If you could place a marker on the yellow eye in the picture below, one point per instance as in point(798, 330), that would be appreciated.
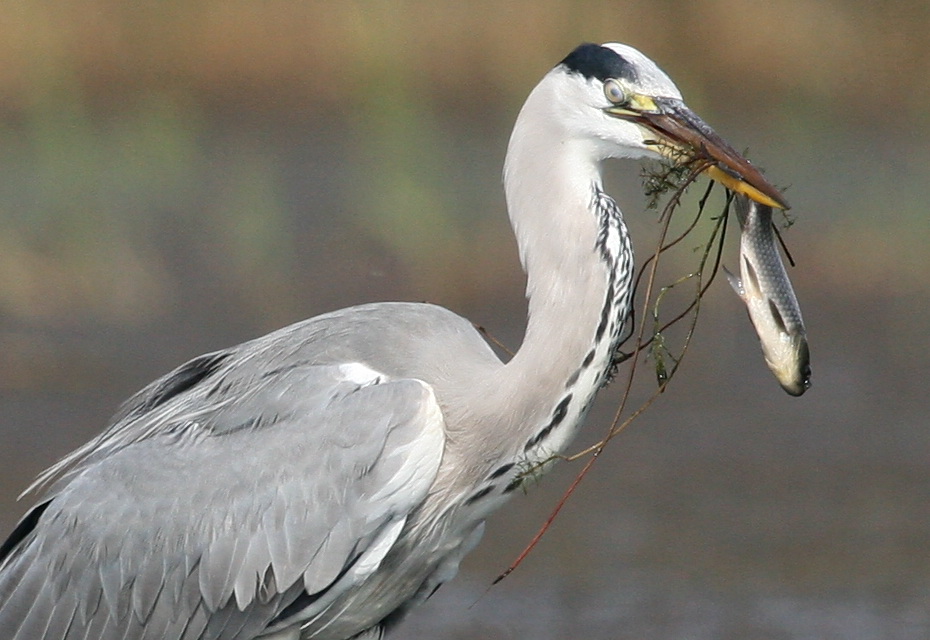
point(615, 92)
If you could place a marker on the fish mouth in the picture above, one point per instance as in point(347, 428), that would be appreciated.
point(682, 136)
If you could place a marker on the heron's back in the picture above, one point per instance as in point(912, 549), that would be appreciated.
point(255, 487)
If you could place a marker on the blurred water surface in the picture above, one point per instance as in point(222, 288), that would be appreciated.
point(137, 236)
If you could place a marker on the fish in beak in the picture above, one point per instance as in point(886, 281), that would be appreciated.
point(681, 135)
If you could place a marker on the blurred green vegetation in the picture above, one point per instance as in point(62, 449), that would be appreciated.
point(121, 133)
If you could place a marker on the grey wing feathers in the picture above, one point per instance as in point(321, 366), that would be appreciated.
point(228, 492)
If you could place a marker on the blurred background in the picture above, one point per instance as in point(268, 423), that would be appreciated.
point(176, 177)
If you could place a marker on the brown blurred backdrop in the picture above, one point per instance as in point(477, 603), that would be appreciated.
point(176, 177)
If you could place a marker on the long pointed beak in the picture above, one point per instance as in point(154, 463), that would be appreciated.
point(684, 135)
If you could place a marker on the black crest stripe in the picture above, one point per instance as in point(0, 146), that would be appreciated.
point(595, 61)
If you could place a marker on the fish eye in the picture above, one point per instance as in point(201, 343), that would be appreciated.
point(615, 92)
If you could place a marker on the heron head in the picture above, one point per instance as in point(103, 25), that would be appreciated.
point(638, 112)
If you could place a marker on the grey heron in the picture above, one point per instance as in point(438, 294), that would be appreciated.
point(322, 480)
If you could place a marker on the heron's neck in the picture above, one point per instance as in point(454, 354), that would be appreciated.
point(576, 253)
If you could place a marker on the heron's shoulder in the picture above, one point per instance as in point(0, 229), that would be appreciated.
point(397, 316)
point(391, 340)
point(397, 338)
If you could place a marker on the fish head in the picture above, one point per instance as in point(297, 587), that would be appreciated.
point(787, 356)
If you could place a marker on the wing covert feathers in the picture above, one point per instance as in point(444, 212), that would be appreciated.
point(208, 509)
